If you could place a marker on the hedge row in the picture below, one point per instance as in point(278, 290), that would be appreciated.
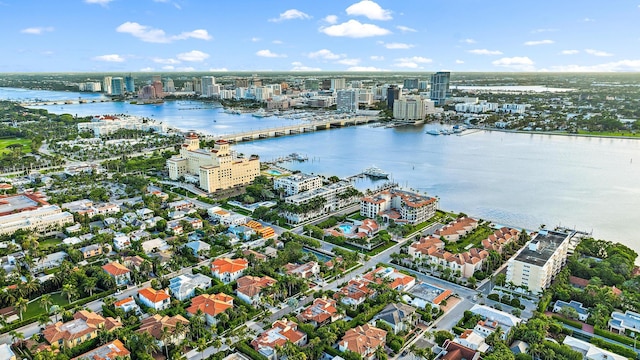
point(618, 349)
point(572, 323)
point(246, 349)
point(613, 336)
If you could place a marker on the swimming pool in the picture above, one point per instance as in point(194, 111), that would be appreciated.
point(273, 172)
point(346, 228)
point(321, 257)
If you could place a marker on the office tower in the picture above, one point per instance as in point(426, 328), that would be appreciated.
point(208, 83)
point(338, 84)
point(117, 86)
point(410, 84)
point(393, 93)
point(106, 85)
point(423, 85)
point(347, 101)
point(440, 87)
point(129, 84)
point(311, 85)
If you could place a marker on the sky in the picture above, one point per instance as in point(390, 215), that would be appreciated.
point(330, 35)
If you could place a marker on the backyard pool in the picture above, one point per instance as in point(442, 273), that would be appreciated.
point(321, 257)
point(346, 228)
point(274, 172)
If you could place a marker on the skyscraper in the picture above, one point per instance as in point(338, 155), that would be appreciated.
point(393, 93)
point(440, 87)
point(311, 84)
point(129, 85)
point(410, 84)
point(347, 101)
point(208, 86)
point(117, 86)
point(338, 84)
point(106, 85)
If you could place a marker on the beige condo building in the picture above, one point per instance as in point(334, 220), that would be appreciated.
point(216, 168)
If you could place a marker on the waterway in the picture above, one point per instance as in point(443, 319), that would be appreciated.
point(524, 180)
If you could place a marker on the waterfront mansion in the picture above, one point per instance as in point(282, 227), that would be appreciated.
point(216, 168)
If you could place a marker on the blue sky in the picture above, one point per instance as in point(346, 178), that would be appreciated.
point(332, 35)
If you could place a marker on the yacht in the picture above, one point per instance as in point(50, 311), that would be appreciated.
point(433, 132)
point(375, 172)
point(260, 113)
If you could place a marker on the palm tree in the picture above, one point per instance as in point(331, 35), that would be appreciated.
point(70, 291)
point(165, 336)
point(202, 345)
point(21, 305)
point(45, 302)
point(89, 285)
point(15, 336)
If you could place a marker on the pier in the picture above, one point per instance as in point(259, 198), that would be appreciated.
point(293, 129)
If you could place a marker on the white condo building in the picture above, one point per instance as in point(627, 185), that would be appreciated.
point(297, 183)
point(412, 108)
point(106, 85)
point(336, 196)
point(41, 219)
point(217, 168)
point(208, 86)
point(347, 101)
point(400, 206)
point(540, 261)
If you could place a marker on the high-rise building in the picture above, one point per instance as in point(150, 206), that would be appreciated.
point(311, 84)
point(347, 101)
point(106, 85)
point(242, 82)
point(440, 87)
point(169, 86)
point(338, 84)
point(117, 86)
point(393, 93)
point(326, 84)
point(208, 86)
point(157, 87)
point(197, 85)
point(423, 85)
point(147, 92)
point(410, 84)
point(412, 108)
point(129, 84)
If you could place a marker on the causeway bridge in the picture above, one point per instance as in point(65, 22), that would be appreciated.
point(293, 129)
point(63, 102)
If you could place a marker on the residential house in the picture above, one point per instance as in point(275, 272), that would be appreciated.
point(133, 262)
point(156, 299)
point(590, 351)
point(355, 292)
point(628, 322)
point(401, 317)
point(155, 325)
point(421, 249)
point(121, 242)
point(120, 274)
point(144, 213)
point(492, 319)
point(472, 340)
point(455, 230)
point(91, 251)
point(83, 327)
point(363, 340)
point(242, 232)
point(127, 304)
point(248, 254)
point(210, 305)
point(250, 288)
point(155, 245)
point(6, 353)
point(109, 351)
point(228, 270)
point(265, 232)
point(180, 205)
point(199, 248)
point(306, 271)
point(321, 311)
point(581, 311)
point(393, 278)
point(281, 332)
point(184, 286)
point(454, 351)
point(499, 238)
point(48, 261)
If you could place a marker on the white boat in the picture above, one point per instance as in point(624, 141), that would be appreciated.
point(433, 132)
point(375, 172)
point(260, 113)
point(298, 157)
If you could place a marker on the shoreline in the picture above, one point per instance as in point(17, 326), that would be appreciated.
point(557, 133)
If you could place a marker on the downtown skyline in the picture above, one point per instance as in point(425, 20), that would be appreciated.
point(177, 35)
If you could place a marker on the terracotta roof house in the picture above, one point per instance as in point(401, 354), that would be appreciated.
point(127, 304)
point(355, 292)
point(118, 272)
point(320, 312)
point(280, 333)
point(108, 351)
point(421, 248)
point(363, 340)
point(250, 288)
point(256, 255)
point(392, 277)
point(305, 271)
point(457, 229)
point(455, 351)
point(133, 262)
point(83, 327)
point(228, 270)
point(154, 325)
point(156, 299)
point(210, 305)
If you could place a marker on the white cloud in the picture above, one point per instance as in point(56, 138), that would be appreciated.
point(298, 66)
point(193, 56)
point(538, 42)
point(185, 69)
point(569, 52)
point(166, 61)
point(99, 2)
point(36, 30)
point(459, 61)
point(597, 52)
point(405, 28)
point(168, 67)
point(396, 46)
point(147, 69)
point(349, 62)
point(278, 42)
point(152, 35)
point(331, 19)
point(291, 14)
point(224, 69)
point(622, 65)
point(416, 59)
point(268, 53)
point(376, 57)
point(109, 58)
point(324, 54)
point(537, 31)
point(588, 19)
point(365, 68)
point(485, 52)
point(468, 41)
point(369, 9)
point(407, 65)
point(520, 63)
point(255, 39)
point(354, 29)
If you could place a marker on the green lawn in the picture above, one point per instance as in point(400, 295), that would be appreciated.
point(609, 133)
point(34, 309)
point(475, 238)
point(49, 243)
point(26, 144)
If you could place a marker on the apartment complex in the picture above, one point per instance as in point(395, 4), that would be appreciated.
point(412, 108)
point(540, 261)
point(217, 168)
point(336, 196)
point(41, 219)
point(401, 206)
point(295, 184)
point(440, 87)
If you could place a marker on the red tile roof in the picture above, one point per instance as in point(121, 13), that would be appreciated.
point(153, 295)
point(115, 269)
point(210, 304)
